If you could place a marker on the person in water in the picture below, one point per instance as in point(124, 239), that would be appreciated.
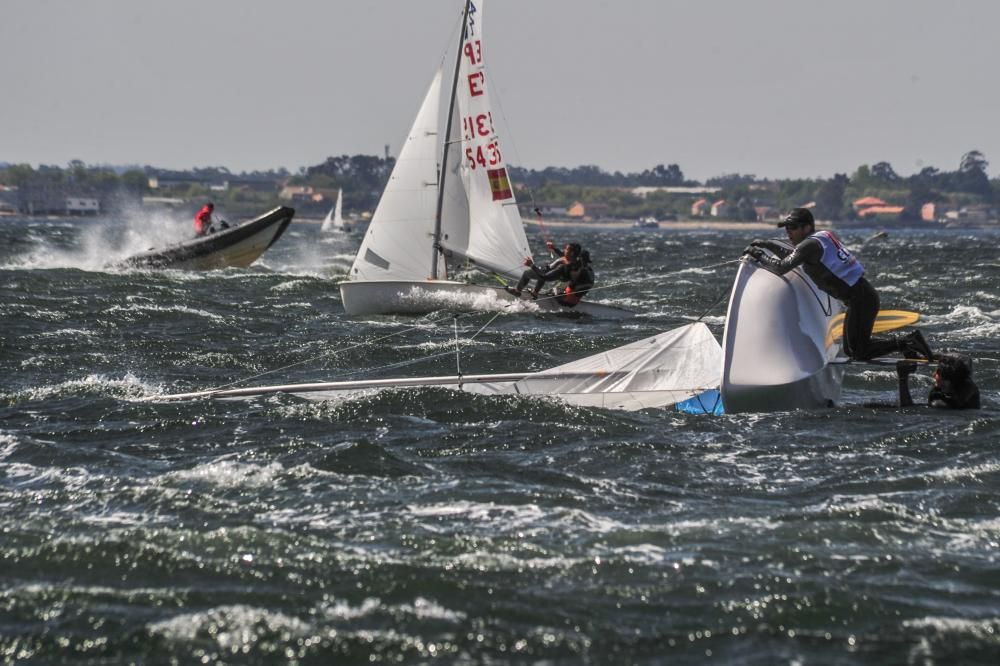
point(581, 280)
point(560, 268)
point(953, 385)
point(836, 271)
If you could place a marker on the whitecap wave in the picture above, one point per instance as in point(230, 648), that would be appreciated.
point(229, 474)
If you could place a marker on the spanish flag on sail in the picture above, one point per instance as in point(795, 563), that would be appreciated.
point(499, 184)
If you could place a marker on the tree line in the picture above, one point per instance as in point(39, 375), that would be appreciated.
point(363, 177)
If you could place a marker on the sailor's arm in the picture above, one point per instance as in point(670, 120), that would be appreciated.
point(774, 246)
point(808, 251)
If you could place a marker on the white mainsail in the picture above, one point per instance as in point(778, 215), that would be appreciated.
point(338, 217)
point(398, 244)
point(496, 239)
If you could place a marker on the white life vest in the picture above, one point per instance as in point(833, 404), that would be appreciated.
point(838, 259)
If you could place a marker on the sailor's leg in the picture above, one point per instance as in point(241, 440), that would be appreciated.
point(526, 277)
point(862, 310)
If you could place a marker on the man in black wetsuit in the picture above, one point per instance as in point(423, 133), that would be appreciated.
point(837, 272)
point(953, 385)
point(581, 279)
point(558, 269)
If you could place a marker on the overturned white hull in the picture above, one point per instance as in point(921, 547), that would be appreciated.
point(408, 297)
point(778, 346)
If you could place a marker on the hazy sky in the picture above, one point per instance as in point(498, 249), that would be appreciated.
point(776, 88)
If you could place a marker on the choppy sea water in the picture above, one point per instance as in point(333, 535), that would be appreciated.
point(419, 525)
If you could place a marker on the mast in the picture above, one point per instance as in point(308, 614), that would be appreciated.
point(436, 248)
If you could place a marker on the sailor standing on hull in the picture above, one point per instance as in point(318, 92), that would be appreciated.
point(838, 273)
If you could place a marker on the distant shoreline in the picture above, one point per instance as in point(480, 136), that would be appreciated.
point(680, 226)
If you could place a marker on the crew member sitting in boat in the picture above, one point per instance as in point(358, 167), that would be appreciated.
point(581, 279)
point(953, 385)
point(203, 221)
point(558, 269)
point(838, 273)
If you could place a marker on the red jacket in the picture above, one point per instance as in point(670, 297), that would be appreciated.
point(203, 220)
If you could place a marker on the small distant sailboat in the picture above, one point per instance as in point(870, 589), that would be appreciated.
point(334, 220)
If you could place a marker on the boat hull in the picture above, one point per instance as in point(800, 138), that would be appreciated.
point(385, 297)
point(779, 345)
point(237, 247)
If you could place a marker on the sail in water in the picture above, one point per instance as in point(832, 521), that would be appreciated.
point(655, 372)
point(659, 371)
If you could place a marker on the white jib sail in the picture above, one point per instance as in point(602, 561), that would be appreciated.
point(655, 372)
point(327, 222)
point(399, 242)
point(496, 238)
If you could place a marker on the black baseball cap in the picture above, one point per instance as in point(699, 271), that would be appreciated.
point(798, 217)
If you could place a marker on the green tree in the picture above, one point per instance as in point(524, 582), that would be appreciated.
point(830, 197)
point(972, 173)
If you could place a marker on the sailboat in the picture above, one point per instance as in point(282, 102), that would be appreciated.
point(334, 220)
point(449, 204)
point(782, 350)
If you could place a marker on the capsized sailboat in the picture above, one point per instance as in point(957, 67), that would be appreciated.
point(432, 221)
point(237, 246)
point(658, 371)
point(782, 347)
point(334, 220)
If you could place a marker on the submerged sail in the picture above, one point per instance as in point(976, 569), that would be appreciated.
point(655, 372)
point(495, 238)
point(398, 243)
point(663, 370)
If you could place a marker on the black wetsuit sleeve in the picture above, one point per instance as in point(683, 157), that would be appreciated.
point(774, 246)
point(808, 251)
point(552, 271)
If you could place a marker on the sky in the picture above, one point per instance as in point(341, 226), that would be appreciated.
point(774, 88)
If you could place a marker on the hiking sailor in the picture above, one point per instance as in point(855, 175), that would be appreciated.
point(558, 269)
point(836, 271)
point(581, 279)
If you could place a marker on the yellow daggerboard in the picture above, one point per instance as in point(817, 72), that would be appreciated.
point(886, 320)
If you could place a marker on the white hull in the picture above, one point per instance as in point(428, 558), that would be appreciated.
point(777, 345)
point(383, 297)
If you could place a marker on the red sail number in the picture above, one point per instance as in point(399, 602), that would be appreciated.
point(480, 158)
point(474, 51)
point(481, 125)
